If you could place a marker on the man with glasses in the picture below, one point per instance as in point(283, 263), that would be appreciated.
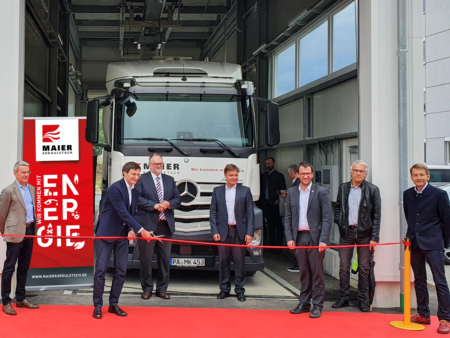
point(357, 214)
point(158, 198)
point(17, 217)
point(307, 222)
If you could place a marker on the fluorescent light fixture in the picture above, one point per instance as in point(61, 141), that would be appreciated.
point(260, 49)
point(294, 20)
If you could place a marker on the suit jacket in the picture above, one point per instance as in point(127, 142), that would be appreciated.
point(428, 217)
point(296, 182)
point(147, 216)
point(276, 182)
point(319, 214)
point(243, 211)
point(117, 212)
point(13, 213)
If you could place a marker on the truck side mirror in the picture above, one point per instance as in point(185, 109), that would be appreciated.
point(272, 124)
point(92, 121)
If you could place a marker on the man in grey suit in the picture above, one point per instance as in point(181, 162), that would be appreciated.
point(158, 198)
point(308, 222)
point(17, 217)
point(232, 222)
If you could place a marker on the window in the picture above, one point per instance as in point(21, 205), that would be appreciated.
point(314, 55)
point(344, 37)
point(285, 71)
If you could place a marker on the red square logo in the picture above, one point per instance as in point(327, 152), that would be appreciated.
point(50, 133)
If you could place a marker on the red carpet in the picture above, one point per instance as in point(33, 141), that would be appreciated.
point(76, 321)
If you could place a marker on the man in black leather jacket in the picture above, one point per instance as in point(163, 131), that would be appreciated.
point(357, 214)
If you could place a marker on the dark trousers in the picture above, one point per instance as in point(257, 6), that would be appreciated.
point(119, 248)
point(435, 259)
point(163, 250)
point(274, 224)
point(19, 253)
point(310, 263)
point(238, 255)
point(346, 255)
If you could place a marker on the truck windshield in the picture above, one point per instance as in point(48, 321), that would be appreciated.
point(227, 118)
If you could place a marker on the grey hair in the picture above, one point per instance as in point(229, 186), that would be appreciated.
point(18, 164)
point(293, 168)
point(362, 163)
point(153, 155)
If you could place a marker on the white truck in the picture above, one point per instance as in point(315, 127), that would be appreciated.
point(199, 116)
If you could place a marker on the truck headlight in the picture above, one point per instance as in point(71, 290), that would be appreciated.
point(257, 237)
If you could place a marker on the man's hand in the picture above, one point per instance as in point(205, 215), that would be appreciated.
point(372, 247)
point(216, 237)
point(145, 234)
point(283, 193)
point(291, 244)
point(165, 204)
point(131, 234)
point(159, 207)
point(324, 247)
point(248, 239)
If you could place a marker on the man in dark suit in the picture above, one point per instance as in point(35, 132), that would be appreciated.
point(307, 222)
point(116, 220)
point(272, 183)
point(232, 222)
point(158, 197)
point(427, 211)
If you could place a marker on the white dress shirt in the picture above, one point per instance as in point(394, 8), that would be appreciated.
point(130, 197)
point(293, 180)
point(230, 197)
point(303, 205)
point(160, 182)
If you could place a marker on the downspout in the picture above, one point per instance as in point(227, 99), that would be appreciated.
point(402, 126)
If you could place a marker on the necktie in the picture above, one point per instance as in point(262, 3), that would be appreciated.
point(160, 196)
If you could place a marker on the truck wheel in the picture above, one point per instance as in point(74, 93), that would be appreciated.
point(250, 273)
point(447, 257)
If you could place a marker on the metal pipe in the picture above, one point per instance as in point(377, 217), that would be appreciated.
point(402, 126)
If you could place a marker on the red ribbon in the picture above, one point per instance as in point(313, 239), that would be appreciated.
point(210, 243)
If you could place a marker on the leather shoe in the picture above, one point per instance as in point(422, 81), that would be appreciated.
point(316, 312)
point(27, 305)
point(162, 295)
point(443, 327)
point(241, 297)
point(97, 312)
point(146, 295)
point(223, 295)
point(418, 319)
point(117, 310)
point(363, 307)
point(301, 308)
point(340, 304)
point(9, 310)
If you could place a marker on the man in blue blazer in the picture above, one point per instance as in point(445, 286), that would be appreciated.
point(232, 222)
point(116, 220)
point(427, 211)
point(158, 198)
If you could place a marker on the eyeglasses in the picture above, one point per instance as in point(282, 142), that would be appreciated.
point(358, 171)
point(157, 164)
point(305, 174)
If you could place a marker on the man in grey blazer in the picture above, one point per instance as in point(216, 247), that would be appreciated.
point(17, 217)
point(308, 222)
point(232, 222)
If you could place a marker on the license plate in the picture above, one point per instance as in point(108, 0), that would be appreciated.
point(187, 262)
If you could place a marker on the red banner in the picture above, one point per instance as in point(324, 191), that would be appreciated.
point(61, 165)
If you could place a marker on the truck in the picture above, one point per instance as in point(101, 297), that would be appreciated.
point(199, 116)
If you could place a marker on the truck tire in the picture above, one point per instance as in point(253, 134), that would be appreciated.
point(250, 273)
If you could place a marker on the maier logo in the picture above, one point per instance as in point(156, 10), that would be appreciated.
point(50, 133)
point(57, 140)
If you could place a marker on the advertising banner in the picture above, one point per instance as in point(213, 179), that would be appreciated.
point(61, 165)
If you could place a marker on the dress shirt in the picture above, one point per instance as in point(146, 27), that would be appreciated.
point(160, 182)
point(293, 180)
point(230, 197)
point(266, 192)
point(26, 194)
point(130, 196)
point(354, 198)
point(426, 185)
point(303, 206)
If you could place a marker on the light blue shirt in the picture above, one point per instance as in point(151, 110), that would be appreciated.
point(354, 198)
point(26, 194)
point(303, 205)
point(415, 188)
point(230, 197)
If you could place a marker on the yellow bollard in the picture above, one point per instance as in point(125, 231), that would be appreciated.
point(406, 324)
